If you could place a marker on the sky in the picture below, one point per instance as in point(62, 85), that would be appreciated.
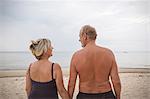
point(121, 25)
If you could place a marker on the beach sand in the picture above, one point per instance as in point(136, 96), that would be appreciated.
point(135, 83)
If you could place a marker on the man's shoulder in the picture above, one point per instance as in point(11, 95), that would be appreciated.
point(105, 49)
point(78, 52)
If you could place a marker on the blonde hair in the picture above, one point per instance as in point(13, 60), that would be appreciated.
point(39, 47)
point(89, 31)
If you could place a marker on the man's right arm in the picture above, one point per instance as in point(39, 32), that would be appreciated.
point(72, 78)
point(115, 79)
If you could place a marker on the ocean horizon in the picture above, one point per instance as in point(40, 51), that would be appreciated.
point(12, 60)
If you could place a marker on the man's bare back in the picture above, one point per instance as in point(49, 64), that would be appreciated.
point(95, 66)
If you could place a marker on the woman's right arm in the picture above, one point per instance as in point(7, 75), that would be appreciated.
point(28, 83)
point(59, 82)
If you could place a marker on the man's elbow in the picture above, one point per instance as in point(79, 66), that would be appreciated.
point(117, 84)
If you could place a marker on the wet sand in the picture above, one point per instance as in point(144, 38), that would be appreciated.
point(135, 83)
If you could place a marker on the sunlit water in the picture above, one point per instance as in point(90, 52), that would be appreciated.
point(21, 60)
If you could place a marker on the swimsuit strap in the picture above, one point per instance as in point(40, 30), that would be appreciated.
point(52, 70)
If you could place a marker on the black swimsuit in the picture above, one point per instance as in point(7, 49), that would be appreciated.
point(43, 90)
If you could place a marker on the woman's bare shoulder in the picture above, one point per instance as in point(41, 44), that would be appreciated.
point(57, 67)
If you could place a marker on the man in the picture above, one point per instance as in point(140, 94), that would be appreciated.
point(96, 67)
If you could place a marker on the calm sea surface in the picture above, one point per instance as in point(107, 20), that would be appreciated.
point(21, 60)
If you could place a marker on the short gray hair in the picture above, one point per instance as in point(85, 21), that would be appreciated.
point(90, 31)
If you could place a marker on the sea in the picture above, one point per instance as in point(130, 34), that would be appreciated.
point(21, 60)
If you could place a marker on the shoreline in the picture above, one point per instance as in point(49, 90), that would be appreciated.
point(22, 72)
point(135, 83)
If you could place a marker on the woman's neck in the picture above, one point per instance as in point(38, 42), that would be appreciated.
point(44, 58)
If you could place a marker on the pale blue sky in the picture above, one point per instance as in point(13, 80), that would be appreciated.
point(122, 25)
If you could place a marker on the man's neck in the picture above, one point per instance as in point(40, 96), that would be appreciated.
point(90, 43)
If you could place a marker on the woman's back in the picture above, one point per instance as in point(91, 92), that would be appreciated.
point(43, 81)
point(43, 78)
point(41, 71)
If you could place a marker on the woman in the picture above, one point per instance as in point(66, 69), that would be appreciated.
point(44, 77)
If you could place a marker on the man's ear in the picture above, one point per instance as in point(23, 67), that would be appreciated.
point(85, 36)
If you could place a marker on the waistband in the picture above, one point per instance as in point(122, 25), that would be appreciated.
point(95, 93)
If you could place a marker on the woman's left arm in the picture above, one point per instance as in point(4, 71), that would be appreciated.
point(59, 82)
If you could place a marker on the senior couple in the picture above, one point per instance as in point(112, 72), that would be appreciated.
point(95, 66)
